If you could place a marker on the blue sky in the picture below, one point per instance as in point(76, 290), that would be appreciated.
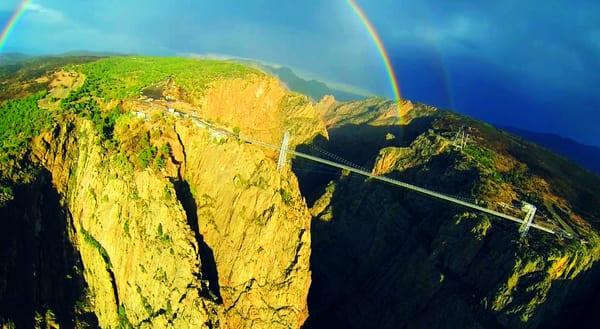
point(532, 65)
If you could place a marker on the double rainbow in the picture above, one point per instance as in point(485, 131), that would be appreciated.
point(22, 8)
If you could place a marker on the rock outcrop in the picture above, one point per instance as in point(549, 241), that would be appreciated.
point(388, 258)
point(142, 205)
point(213, 236)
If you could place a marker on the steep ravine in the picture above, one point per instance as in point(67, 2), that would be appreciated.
point(217, 239)
point(384, 257)
point(161, 221)
point(206, 233)
point(41, 278)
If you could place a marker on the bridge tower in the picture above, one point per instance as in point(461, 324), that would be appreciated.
point(283, 151)
point(529, 210)
point(460, 139)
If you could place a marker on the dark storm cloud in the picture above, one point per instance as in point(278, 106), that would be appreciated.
point(528, 64)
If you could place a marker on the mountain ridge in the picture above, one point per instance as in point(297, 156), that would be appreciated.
point(585, 155)
point(165, 221)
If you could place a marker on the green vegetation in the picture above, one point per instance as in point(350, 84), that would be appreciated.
point(167, 192)
point(160, 160)
point(147, 151)
point(126, 227)
point(286, 196)
point(517, 176)
point(6, 195)
point(83, 102)
point(113, 78)
point(146, 155)
point(169, 309)
point(118, 78)
point(482, 155)
point(87, 237)
point(19, 77)
point(485, 159)
point(20, 121)
point(123, 319)
point(566, 179)
point(161, 235)
point(149, 154)
point(123, 77)
point(147, 305)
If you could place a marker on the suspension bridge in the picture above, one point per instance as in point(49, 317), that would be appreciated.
point(525, 223)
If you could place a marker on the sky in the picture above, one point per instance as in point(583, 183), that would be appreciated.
point(527, 64)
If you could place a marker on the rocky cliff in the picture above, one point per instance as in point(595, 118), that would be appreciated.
point(388, 258)
point(129, 200)
point(170, 224)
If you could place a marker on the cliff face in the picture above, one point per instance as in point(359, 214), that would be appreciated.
point(140, 206)
point(387, 258)
point(40, 268)
point(213, 236)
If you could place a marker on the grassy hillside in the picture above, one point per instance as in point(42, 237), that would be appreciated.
point(20, 120)
point(24, 76)
point(123, 77)
point(146, 195)
point(160, 223)
point(27, 81)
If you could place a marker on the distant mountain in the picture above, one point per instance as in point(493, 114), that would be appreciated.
point(83, 53)
point(585, 155)
point(314, 88)
point(12, 58)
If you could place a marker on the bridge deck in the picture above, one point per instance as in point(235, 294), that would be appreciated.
point(395, 182)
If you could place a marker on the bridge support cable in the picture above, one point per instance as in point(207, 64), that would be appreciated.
point(336, 157)
point(420, 190)
point(528, 221)
point(404, 185)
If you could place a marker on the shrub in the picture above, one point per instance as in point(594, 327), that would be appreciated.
point(161, 235)
point(87, 237)
point(126, 227)
point(83, 102)
point(6, 195)
point(160, 160)
point(146, 155)
point(20, 121)
point(123, 319)
point(286, 196)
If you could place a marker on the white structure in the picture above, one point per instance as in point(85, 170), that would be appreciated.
point(460, 139)
point(283, 151)
point(529, 210)
point(217, 136)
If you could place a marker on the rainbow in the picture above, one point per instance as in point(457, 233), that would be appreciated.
point(380, 47)
point(22, 8)
point(12, 21)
